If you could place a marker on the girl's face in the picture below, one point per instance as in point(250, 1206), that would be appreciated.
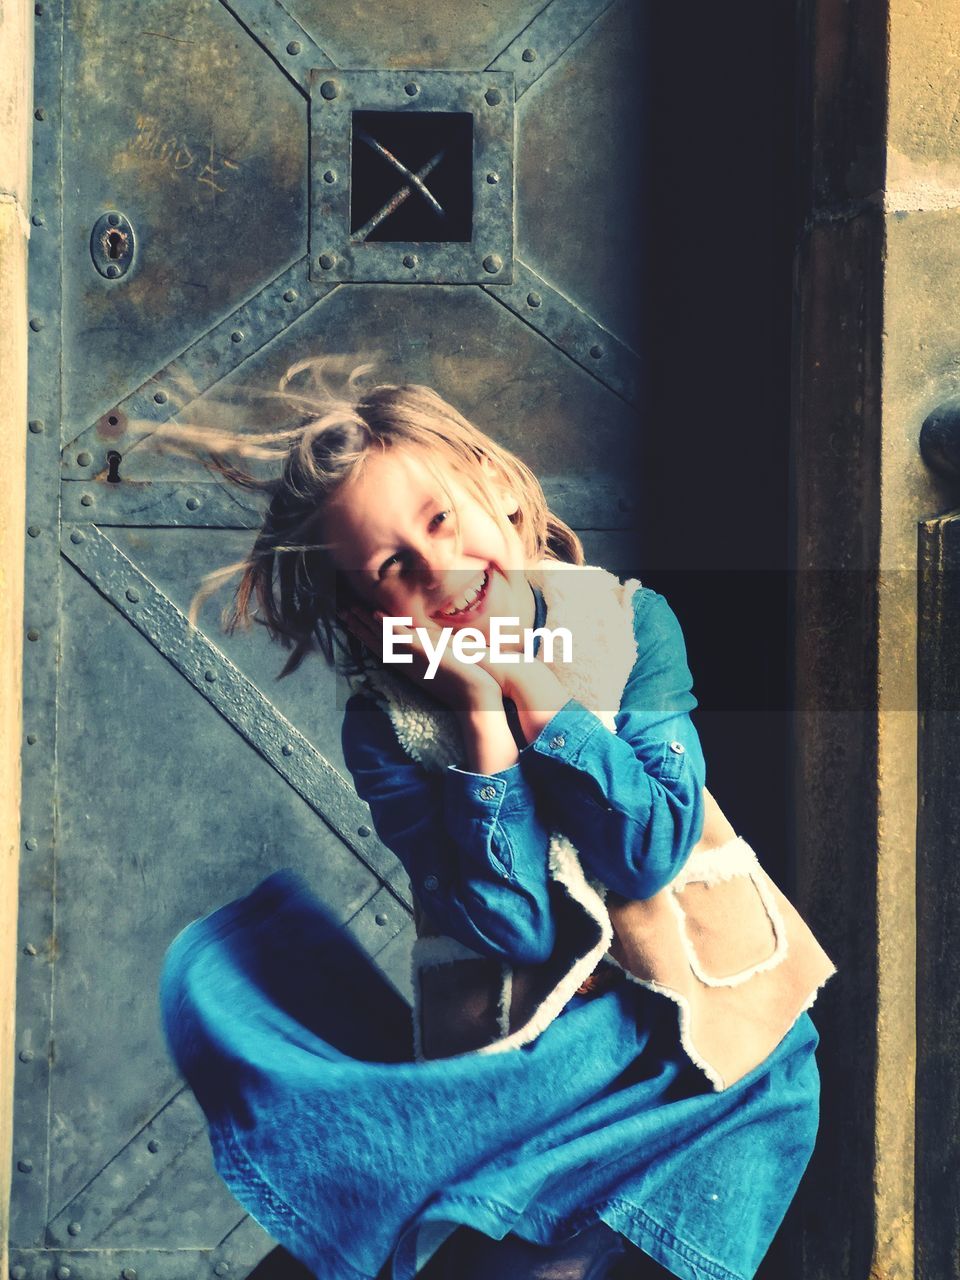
point(392, 531)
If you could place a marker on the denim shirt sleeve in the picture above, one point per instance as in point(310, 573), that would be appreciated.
point(472, 844)
point(631, 802)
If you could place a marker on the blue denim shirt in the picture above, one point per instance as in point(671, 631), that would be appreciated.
point(351, 1154)
point(475, 845)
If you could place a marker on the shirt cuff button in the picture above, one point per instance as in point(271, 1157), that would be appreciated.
point(430, 883)
point(678, 747)
point(487, 793)
point(557, 742)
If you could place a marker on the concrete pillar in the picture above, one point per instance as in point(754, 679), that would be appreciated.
point(16, 46)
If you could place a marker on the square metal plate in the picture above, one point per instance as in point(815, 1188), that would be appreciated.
point(338, 253)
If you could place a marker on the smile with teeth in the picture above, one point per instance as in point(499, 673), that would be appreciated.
point(469, 602)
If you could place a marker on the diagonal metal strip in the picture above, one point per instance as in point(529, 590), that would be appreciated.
point(571, 329)
point(220, 350)
point(149, 1155)
point(245, 1246)
point(281, 36)
point(236, 698)
point(546, 39)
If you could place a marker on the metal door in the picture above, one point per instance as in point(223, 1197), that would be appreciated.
point(212, 201)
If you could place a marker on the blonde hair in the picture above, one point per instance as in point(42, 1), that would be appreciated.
point(288, 581)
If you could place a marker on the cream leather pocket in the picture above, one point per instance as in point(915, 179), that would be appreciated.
point(729, 922)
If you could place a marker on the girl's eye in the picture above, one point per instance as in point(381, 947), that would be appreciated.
point(441, 516)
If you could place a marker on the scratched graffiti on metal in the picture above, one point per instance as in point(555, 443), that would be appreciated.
point(158, 144)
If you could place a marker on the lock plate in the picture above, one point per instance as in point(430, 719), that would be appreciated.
point(112, 245)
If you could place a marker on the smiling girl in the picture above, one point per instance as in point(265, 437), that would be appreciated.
point(612, 1069)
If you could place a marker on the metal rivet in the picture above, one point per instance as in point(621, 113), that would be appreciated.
point(160, 397)
point(236, 336)
point(430, 883)
point(113, 219)
point(677, 747)
point(18, 1273)
point(294, 47)
point(86, 499)
point(529, 55)
point(31, 844)
point(25, 1166)
point(36, 324)
point(330, 175)
point(410, 260)
point(192, 504)
point(128, 1273)
point(534, 299)
point(492, 263)
point(493, 178)
point(33, 634)
point(153, 1146)
point(221, 1269)
point(29, 949)
point(36, 426)
point(328, 260)
point(291, 295)
point(132, 594)
point(287, 749)
point(411, 89)
point(38, 220)
point(64, 1273)
point(74, 1228)
point(83, 459)
point(26, 1055)
point(364, 830)
point(40, 114)
point(493, 97)
point(488, 793)
point(34, 530)
point(113, 271)
point(76, 536)
point(596, 351)
point(329, 90)
point(557, 742)
point(31, 742)
point(210, 677)
point(381, 918)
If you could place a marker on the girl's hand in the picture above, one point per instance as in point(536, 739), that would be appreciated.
point(463, 686)
point(535, 689)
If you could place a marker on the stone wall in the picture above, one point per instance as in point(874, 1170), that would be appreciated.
point(16, 45)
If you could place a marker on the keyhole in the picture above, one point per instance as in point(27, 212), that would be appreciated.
point(113, 464)
point(116, 244)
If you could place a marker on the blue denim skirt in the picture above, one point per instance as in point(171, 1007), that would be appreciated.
point(360, 1160)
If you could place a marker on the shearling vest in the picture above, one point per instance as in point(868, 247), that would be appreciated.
point(720, 940)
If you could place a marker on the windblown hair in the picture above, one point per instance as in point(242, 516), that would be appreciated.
point(288, 582)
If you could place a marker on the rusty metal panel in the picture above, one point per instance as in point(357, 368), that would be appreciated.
point(581, 230)
point(373, 34)
point(191, 131)
point(165, 770)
